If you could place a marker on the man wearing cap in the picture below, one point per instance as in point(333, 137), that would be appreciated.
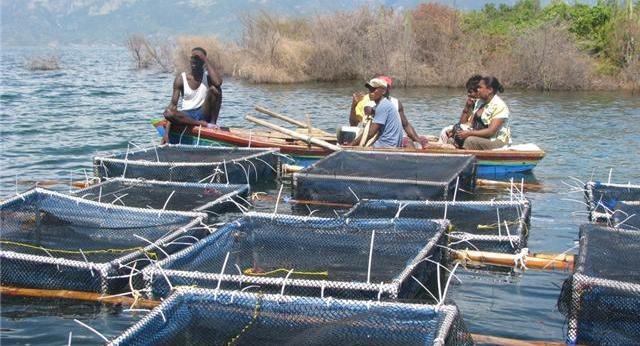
point(386, 121)
point(362, 105)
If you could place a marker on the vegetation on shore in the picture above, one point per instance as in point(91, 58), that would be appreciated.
point(526, 45)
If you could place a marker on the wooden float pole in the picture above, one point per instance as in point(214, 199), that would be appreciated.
point(78, 183)
point(291, 121)
point(150, 304)
point(308, 139)
point(486, 183)
point(78, 295)
point(539, 262)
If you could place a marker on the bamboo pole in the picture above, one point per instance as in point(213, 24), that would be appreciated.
point(78, 295)
point(291, 120)
point(79, 183)
point(543, 262)
point(308, 139)
point(496, 183)
point(494, 340)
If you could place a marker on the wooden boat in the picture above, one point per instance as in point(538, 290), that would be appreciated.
point(491, 162)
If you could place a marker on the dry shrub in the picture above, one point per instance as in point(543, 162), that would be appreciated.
point(146, 54)
point(136, 44)
point(546, 58)
point(43, 63)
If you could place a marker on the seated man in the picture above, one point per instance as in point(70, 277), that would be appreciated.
point(386, 124)
point(362, 105)
point(201, 94)
point(471, 109)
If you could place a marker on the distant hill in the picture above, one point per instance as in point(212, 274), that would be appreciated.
point(61, 22)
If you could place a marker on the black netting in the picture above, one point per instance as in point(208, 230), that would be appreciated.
point(191, 164)
point(602, 198)
point(213, 198)
point(311, 256)
point(347, 176)
point(475, 225)
point(50, 240)
point(626, 214)
point(602, 297)
point(210, 317)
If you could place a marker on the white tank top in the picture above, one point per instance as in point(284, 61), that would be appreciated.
point(193, 99)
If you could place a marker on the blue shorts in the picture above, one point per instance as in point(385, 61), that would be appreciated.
point(195, 114)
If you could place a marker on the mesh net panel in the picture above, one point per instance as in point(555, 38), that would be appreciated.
point(329, 257)
point(342, 176)
point(191, 164)
point(50, 240)
point(215, 198)
point(627, 215)
point(207, 317)
point(602, 297)
point(602, 198)
point(475, 225)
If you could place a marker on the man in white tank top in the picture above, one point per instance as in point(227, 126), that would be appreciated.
point(201, 93)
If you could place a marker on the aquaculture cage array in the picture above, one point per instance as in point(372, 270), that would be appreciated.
point(348, 176)
point(602, 297)
point(188, 163)
point(497, 226)
point(166, 195)
point(217, 317)
point(603, 201)
point(310, 256)
point(50, 240)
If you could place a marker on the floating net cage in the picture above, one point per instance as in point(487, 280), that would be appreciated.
point(602, 297)
point(348, 176)
point(218, 317)
point(211, 198)
point(497, 226)
point(627, 215)
point(189, 163)
point(602, 199)
point(310, 256)
point(50, 240)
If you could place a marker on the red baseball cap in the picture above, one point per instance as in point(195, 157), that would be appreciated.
point(387, 79)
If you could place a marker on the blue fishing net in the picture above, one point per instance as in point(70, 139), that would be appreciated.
point(602, 198)
point(602, 298)
point(360, 259)
point(348, 176)
point(188, 163)
point(211, 198)
point(217, 317)
point(54, 241)
point(497, 226)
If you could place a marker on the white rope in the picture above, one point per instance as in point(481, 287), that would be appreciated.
point(373, 236)
point(520, 259)
point(284, 282)
point(93, 330)
point(224, 266)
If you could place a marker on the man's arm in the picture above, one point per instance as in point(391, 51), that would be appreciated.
point(173, 107)
point(406, 125)
point(355, 99)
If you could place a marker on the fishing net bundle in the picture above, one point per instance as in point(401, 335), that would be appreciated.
point(348, 176)
point(602, 298)
point(218, 317)
point(603, 199)
point(212, 198)
point(310, 256)
point(496, 226)
point(50, 240)
point(188, 163)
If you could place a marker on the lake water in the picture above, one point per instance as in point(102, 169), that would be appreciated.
point(53, 122)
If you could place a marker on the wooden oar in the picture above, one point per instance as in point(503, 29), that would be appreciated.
point(290, 120)
point(543, 262)
point(306, 138)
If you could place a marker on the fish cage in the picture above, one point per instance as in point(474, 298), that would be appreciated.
point(497, 226)
point(310, 256)
point(187, 163)
point(602, 198)
point(166, 195)
point(193, 316)
point(626, 214)
point(50, 240)
point(602, 297)
point(348, 176)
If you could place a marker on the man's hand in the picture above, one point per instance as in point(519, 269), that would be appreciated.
point(356, 97)
point(464, 134)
